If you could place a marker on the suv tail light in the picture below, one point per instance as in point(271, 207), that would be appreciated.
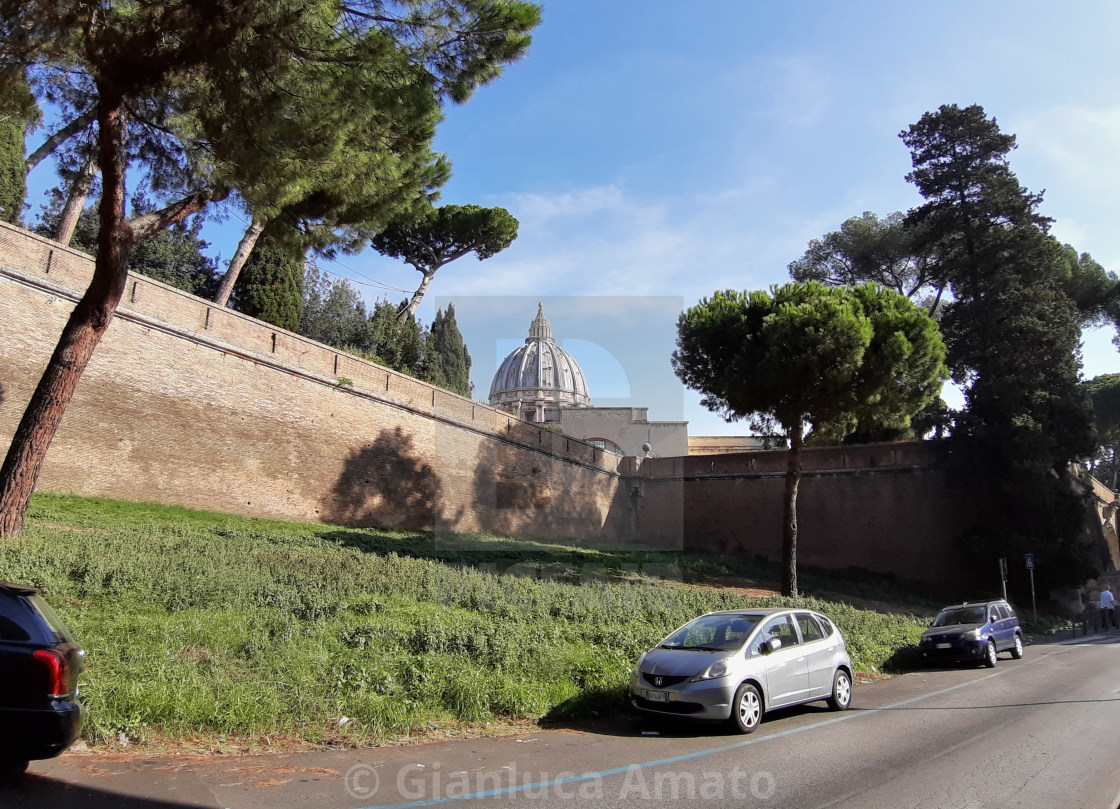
point(58, 675)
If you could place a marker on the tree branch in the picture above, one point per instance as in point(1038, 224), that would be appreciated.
point(145, 226)
point(58, 138)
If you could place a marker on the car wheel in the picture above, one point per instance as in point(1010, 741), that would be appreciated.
point(746, 710)
point(990, 655)
point(841, 698)
point(1017, 649)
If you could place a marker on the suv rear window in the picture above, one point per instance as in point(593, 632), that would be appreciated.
point(51, 619)
point(14, 617)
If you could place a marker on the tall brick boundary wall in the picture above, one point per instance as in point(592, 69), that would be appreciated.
point(191, 404)
point(885, 508)
point(888, 508)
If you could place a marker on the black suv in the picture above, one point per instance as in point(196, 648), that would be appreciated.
point(973, 632)
point(39, 666)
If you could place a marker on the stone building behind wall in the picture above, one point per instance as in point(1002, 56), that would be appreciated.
point(541, 382)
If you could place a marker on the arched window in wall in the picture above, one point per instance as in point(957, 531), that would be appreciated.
point(604, 443)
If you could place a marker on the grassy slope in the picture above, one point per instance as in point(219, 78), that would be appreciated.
point(199, 623)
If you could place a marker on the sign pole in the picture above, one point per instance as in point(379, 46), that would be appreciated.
point(1003, 575)
point(1030, 567)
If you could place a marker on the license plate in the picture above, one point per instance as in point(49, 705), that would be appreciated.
point(657, 696)
point(944, 646)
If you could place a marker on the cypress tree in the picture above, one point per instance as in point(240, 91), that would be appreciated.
point(271, 286)
point(447, 362)
point(13, 185)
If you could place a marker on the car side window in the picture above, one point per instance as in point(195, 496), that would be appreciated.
point(781, 628)
point(810, 629)
point(1004, 611)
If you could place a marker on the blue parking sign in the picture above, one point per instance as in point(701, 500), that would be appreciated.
point(1030, 561)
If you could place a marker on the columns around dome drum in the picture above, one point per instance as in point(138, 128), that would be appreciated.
point(538, 375)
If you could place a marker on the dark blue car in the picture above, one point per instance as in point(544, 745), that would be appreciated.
point(973, 632)
point(39, 666)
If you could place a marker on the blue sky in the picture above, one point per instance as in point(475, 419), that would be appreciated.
point(655, 152)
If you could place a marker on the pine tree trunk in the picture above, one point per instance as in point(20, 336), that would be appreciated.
point(789, 524)
point(240, 256)
point(76, 201)
point(58, 138)
point(88, 322)
point(410, 310)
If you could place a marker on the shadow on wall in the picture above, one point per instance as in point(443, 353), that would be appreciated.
point(535, 494)
point(386, 484)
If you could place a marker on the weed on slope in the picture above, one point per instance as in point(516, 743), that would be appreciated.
point(204, 623)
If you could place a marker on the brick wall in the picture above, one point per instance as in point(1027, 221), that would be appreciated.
point(196, 405)
point(189, 404)
point(885, 508)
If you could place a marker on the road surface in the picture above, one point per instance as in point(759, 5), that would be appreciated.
point(1040, 732)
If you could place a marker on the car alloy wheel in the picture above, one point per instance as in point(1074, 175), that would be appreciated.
point(841, 698)
point(1017, 650)
point(746, 712)
point(990, 655)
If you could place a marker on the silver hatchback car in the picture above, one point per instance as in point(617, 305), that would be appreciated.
point(737, 664)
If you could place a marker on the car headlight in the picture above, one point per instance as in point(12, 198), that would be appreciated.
point(973, 635)
point(638, 665)
point(712, 672)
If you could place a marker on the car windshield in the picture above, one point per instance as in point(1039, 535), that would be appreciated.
point(960, 615)
point(713, 633)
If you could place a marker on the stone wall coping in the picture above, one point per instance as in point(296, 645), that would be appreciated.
point(219, 341)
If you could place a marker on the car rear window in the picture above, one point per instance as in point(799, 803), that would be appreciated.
point(14, 617)
point(50, 617)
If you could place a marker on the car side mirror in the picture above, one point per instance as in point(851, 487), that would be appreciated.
point(993, 618)
point(772, 645)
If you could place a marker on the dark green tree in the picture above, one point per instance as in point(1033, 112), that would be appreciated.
point(1104, 392)
point(438, 236)
point(870, 250)
point(397, 345)
point(1094, 290)
point(447, 362)
point(1013, 337)
point(17, 113)
point(13, 186)
point(175, 256)
point(195, 94)
point(809, 354)
point(334, 313)
point(271, 286)
point(1012, 330)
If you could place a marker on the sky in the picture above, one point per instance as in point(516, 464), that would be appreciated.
point(656, 152)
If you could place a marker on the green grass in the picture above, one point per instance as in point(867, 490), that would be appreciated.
point(200, 623)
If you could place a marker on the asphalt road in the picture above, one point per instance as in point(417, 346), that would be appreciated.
point(1040, 732)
